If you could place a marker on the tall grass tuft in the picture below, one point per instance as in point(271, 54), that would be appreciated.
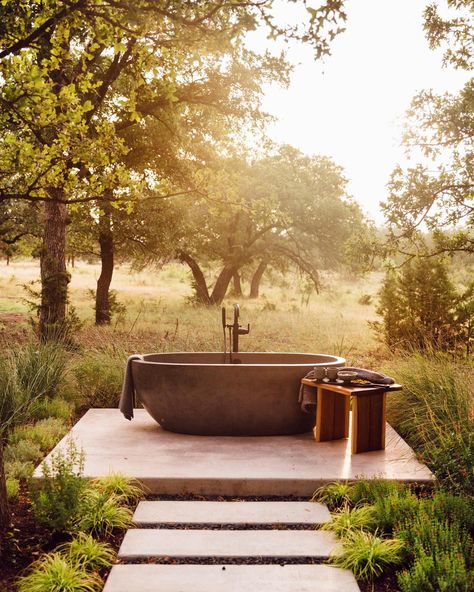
point(434, 412)
point(28, 374)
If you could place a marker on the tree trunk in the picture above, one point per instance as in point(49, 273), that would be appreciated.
point(4, 509)
point(103, 315)
point(222, 283)
point(54, 277)
point(200, 286)
point(257, 278)
point(237, 290)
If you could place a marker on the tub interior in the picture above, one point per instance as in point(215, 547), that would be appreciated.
point(246, 358)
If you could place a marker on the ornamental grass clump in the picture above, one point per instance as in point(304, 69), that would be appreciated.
point(126, 489)
point(85, 551)
point(346, 520)
point(103, 513)
point(333, 495)
point(368, 554)
point(54, 573)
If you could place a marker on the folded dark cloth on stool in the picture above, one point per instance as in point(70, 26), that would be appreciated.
point(127, 398)
point(307, 394)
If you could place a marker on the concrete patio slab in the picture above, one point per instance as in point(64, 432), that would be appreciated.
point(146, 543)
point(169, 463)
point(179, 512)
point(231, 578)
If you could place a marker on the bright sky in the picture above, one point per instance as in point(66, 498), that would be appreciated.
point(351, 107)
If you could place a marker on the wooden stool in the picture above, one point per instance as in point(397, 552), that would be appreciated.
point(368, 413)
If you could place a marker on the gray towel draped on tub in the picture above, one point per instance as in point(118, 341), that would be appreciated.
point(127, 398)
point(307, 396)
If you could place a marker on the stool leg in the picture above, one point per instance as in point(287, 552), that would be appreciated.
point(368, 421)
point(332, 416)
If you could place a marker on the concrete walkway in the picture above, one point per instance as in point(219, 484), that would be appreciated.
point(175, 556)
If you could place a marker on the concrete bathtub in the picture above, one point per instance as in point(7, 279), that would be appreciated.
point(197, 393)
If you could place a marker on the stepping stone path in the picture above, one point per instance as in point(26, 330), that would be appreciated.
point(207, 546)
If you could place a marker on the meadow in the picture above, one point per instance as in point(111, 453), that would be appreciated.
point(158, 313)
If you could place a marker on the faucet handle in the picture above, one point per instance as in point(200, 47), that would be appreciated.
point(243, 330)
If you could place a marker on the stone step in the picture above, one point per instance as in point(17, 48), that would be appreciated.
point(149, 543)
point(234, 578)
point(181, 512)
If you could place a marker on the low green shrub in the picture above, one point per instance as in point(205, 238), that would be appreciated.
point(99, 379)
point(346, 519)
point(442, 556)
point(13, 488)
point(84, 550)
point(54, 573)
point(19, 469)
point(57, 501)
point(367, 554)
point(57, 407)
point(126, 489)
point(102, 513)
point(333, 495)
point(395, 507)
point(368, 491)
point(45, 433)
point(23, 451)
point(452, 459)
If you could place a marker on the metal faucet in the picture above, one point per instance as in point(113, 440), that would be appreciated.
point(234, 330)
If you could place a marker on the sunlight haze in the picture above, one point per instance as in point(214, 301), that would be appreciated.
point(351, 106)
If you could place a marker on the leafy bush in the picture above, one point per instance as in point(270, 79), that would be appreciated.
point(443, 554)
point(433, 412)
point(102, 513)
point(99, 379)
point(57, 407)
point(23, 451)
point(53, 573)
point(395, 507)
point(19, 469)
point(126, 489)
point(84, 550)
point(57, 501)
point(13, 488)
point(421, 308)
point(367, 554)
point(45, 433)
point(368, 491)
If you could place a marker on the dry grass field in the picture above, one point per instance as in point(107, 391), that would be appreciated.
point(160, 316)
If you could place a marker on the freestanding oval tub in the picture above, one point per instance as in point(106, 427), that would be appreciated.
point(256, 395)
